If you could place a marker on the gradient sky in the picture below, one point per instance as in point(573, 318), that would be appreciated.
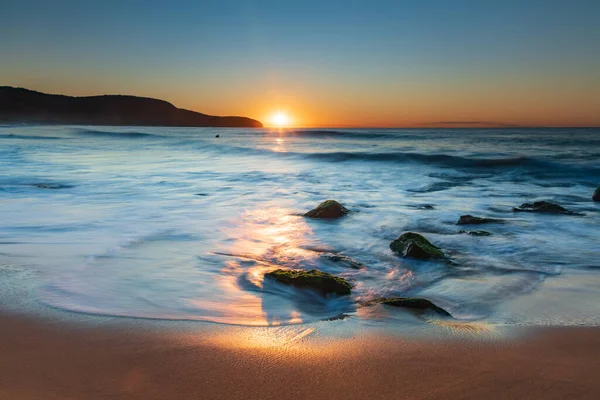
point(326, 63)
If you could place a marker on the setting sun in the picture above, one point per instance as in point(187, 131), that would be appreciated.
point(280, 119)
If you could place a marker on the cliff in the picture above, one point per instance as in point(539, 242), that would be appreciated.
point(18, 105)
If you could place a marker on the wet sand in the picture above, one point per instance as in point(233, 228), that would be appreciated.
point(55, 360)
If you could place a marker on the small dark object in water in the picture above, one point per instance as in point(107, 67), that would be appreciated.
point(328, 209)
point(544, 207)
point(420, 305)
point(471, 220)
point(413, 245)
point(313, 279)
point(426, 207)
point(217, 136)
point(596, 196)
point(476, 233)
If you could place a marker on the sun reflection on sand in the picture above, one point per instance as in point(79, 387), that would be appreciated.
point(465, 326)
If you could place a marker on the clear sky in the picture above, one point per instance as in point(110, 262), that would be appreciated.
point(324, 63)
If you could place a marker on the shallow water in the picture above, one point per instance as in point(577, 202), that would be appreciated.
point(173, 223)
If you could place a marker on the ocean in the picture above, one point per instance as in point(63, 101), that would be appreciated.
point(177, 224)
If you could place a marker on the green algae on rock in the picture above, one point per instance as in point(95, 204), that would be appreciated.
point(544, 207)
point(313, 279)
point(596, 195)
point(328, 209)
point(413, 245)
point(418, 304)
point(476, 233)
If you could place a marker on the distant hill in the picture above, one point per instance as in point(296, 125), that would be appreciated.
point(18, 105)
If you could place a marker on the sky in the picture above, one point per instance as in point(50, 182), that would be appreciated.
point(401, 63)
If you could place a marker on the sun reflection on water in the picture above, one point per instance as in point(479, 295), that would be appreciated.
point(266, 239)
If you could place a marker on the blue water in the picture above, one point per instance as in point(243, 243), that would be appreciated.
point(173, 223)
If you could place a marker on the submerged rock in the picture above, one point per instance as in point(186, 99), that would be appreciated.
point(338, 258)
point(413, 245)
point(471, 220)
point(543, 207)
point(313, 279)
point(421, 305)
point(596, 196)
point(328, 209)
point(476, 233)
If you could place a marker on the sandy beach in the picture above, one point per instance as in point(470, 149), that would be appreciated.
point(42, 359)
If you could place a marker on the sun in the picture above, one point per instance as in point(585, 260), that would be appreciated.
point(280, 119)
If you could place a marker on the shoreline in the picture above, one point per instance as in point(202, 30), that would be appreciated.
point(55, 359)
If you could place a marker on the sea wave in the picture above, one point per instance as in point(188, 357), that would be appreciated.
point(447, 160)
point(325, 133)
point(28, 137)
point(111, 134)
point(556, 164)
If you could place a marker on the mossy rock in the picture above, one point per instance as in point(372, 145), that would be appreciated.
point(543, 207)
point(596, 195)
point(313, 279)
point(413, 245)
point(476, 233)
point(471, 220)
point(328, 209)
point(345, 260)
point(420, 305)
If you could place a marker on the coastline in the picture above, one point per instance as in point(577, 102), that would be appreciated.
point(54, 359)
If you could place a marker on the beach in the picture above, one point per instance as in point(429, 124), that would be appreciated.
point(42, 359)
point(154, 276)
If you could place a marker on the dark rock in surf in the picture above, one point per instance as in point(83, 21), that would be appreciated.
point(426, 207)
point(476, 233)
point(345, 260)
point(471, 220)
point(313, 279)
point(416, 304)
point(217, 136)
point(544, 207)
point(413, 245)
point(329, 209)
point(596, 196)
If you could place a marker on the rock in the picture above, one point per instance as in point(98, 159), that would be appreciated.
point(413, 245)
point(471, 220)
point(476, 233)
point(313, 279)
point(217, 136)
point(596, 196)
point(543, 207)
point(338, 258)
point(426, 207)
point(328, 209)
point(421, 305)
